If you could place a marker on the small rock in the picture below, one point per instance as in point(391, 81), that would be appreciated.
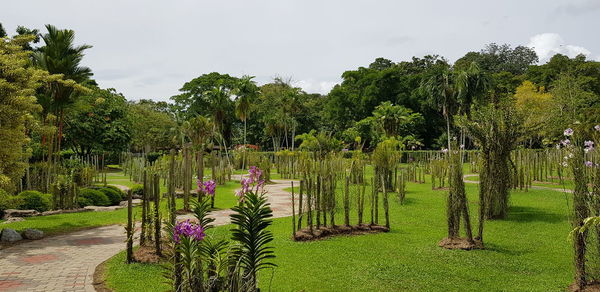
point(53, 212)
point(10, 235)
point(19, 213)
point(33, 234)
point(134, 202)
point(13, 219)
point(102, 208)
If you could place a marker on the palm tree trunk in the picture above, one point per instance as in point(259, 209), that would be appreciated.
point(60, 128)
point(244, 153)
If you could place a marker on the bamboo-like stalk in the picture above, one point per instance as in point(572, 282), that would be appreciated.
point(385, 205)
point(293, 212)
point(157, 224)
point(300, 202)
point(144, 210)
point(347, 201)
point(129, 227)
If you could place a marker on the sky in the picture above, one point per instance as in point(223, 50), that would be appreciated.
point(148, 49)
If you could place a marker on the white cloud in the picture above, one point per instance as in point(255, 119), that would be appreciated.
point(313, 86)
point(547, 45)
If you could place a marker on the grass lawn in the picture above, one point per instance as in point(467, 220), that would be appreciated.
point(528, 251)
point(62, 223)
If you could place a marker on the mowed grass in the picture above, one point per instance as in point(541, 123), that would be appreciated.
point(528, 251)
point(64, 223)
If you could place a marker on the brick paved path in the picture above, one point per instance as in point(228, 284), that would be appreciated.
point(466, 180)
point(67, 262)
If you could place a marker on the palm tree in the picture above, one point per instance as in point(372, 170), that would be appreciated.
point(441, 90)
point(219, 102)
point(247, 92)
point(472, 85)
point(60, 56)
point(200, 131)
point(292, 105)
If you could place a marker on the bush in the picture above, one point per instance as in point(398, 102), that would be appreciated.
point(34, 200)
point(137, 190)
point(153, 156)
point(82, 202)
point(93, 197)
point(115, 196)
point(8, 201)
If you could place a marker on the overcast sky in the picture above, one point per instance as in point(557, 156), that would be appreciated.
point(149, 49)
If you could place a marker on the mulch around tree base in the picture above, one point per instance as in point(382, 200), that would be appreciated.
point(147, 255)
point(305, 234)
point(460, 243)
point(592, 287)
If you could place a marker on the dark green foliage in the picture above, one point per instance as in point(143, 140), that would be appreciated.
point(8, 201)
point(201, 210)
point(251, 220)
point(34, 200)
point(114, 196)
point(137, 190)
point(98, 122)
point(153, 156)
point(93, 197)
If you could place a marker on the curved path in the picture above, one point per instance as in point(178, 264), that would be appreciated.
point(67, 262)
point(466, 180)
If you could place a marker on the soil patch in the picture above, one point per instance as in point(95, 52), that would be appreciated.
point(99, 280)
point(147, 255)
point(593, 287)
point(460, 243)
point(306, 234)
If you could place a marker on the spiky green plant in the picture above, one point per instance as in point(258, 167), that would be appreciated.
point(251, 220)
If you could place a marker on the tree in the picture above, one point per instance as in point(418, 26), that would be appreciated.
point(59, 55)
point(246, 92)
point(496, 58)
point(200, 131)
point(18, 83)
point(98, 122)
point(364, 89)
point(534, 104)
point(441, 90)
point(150, 126)
point(497, 129)
point(210, 95)
point(396, 120)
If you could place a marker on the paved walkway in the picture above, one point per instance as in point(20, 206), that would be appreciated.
point(466, 176)
point(67, 262)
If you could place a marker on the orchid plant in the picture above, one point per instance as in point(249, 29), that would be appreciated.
point(252, 183)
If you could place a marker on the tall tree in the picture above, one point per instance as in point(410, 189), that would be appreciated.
point(200, 131)
point(18, 83)
point(440, 87)
point(60, 55)
point(246, 92)
point(98, 122)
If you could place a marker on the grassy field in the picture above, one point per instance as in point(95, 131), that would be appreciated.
point(63, 223)
point(528, 251)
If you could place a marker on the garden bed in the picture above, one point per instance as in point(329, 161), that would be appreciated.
point(306, 234)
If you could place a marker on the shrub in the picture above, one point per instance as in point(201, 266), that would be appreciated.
point(137, 190)
point(8, 201)
point(82, 202)
point(94, 197)
point(153, 156)
point(115, 196)
point(34, 200)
